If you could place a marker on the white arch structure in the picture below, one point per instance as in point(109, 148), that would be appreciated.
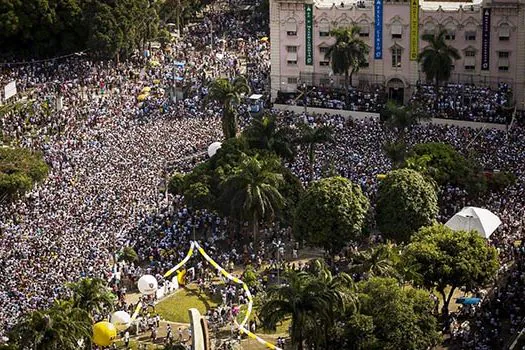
point(194, 245)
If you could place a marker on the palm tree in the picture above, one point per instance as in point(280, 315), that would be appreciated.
point(348, 54)
point(91, 295)
point(402, 118)
point(63, 326)
point(380, 260)
point(228, 94)
point(311, 136)
point(436, 58)
point(264, 133)
point(339, 290)
point(252, 190)
point(301, 300)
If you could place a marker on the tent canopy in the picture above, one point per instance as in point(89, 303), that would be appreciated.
point(472, 218)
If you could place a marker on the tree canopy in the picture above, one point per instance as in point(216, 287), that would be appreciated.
point(406, 201)
point(437, 57)
point(53, 27)
point(331, 213)
point(401, 318)
point(20, 169)
point(451, 258)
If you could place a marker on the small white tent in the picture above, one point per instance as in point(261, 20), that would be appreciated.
point(472, 218)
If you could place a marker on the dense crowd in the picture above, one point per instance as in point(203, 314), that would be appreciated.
point(451, 101)
point(110, 155)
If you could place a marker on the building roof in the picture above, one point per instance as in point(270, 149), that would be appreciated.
point(429, 5)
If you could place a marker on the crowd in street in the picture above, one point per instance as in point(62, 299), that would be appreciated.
point(110, 153)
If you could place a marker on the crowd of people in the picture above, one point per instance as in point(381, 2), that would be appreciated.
point(450, 101)
point(110, 156)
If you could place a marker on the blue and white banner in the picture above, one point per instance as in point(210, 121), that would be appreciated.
point(378, 29)
point(485, 40)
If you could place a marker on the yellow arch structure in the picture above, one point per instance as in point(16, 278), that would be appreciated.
point(194, 245)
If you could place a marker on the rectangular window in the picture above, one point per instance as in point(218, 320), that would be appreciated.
point(470, 53)
point(324, 63)
point(291, 49)
point(291, 33)
point(396, 57)
point(291, 63)
point(292, 80)
point(324, 33)
point(450, 36)
point(365, 65)
point(323, 50)
point(504, 33)
point(452, 67)
point(470, 36)
point(470, 68)
point(503, 68)
point(503, 54)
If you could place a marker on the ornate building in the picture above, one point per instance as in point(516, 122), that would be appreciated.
point(490, 36)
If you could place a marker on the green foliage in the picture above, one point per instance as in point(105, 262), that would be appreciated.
point(330, 213)
point(20, 169)
point(437, 57)
point(164, 37)
point(309, 300)
point(377, 261)
point(91, 295)
point(129, 255)
point(447, 166)
point(401, 317)
point(264, 134)
point(176, 184)
point(198, 195)
point(451, 258)
point(253, 190)
point(291, 189)
point(312, 136)
point(396, 151)
point(349, 52)
point(250, 277)
point(406, 201)
point(59, 327)
point(228, 94)
point(50, 27)
point(499, 181)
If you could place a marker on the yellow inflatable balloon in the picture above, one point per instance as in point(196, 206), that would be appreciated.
point(104, 333)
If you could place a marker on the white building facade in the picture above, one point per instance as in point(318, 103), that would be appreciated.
point(489, 35)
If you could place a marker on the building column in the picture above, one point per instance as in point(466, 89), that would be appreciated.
point(275, 49)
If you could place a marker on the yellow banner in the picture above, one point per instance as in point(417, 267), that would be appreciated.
point(414, 29)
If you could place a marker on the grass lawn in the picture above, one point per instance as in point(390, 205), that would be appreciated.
point(175, 307)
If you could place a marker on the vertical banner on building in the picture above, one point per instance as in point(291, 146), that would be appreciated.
point(414, 29)
point(378, 29)
point(309, 28)
point(485, 40)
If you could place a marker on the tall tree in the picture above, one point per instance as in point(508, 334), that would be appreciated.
point(402, 317)
point(252, 190)
point(331, 213)
point(437, 57)
point(406, 201)
point(448, 258)
point(91, 295)
point(311, 137)
point(264, 133)
point(348, 53)
point(376, 261)
point(228, 94)
point(303, 300)
point(60, 327)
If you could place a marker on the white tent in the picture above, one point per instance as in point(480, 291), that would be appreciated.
point(472, 218)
